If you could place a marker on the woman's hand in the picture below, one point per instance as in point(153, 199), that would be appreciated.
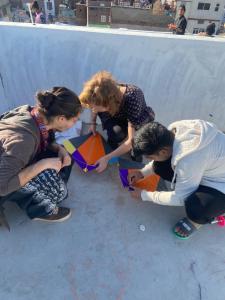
point(172, 26)
point(64, 157)
point(102, 164)
point(93, 122)
point(30, 172)
point(92, 128)
point(49, 163)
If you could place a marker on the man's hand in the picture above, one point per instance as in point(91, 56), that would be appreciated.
point(134, 176)
point(172, 26)
point(136, 194)
point(102, 164)
point(64, 157)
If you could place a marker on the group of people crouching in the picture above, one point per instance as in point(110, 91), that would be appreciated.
point(34, 169)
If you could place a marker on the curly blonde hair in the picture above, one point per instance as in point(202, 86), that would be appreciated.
point(102, 90)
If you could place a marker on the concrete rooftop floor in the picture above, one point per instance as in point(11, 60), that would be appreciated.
point(101, 254)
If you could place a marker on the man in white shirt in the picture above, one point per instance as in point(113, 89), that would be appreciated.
point(190, 154)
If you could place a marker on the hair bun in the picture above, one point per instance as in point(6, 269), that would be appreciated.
point(45, 99)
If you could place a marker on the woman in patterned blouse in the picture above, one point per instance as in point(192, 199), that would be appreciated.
point(121, 108)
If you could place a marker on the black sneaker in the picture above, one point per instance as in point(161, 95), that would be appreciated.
point(61, 214)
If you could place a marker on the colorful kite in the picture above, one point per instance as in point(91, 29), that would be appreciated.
point(148, 183)
point(86, 150)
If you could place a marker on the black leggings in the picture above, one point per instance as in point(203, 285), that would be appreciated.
point(116, 132)
point(203, 205)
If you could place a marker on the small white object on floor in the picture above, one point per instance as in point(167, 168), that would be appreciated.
point(69, 133)
point(142, 227)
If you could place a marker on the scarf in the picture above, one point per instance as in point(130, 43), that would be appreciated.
point(44, 134)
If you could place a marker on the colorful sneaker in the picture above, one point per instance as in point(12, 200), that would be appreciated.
point(184, 228)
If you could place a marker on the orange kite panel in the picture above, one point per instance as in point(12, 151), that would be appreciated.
point(92, 149)
point(148, 183)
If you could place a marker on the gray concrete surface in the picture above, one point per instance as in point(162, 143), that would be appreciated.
point(101, 254)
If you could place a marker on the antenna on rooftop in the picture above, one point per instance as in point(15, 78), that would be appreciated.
point(87, 13)
point(30, 12)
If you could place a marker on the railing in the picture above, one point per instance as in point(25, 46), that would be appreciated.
point(136, 4)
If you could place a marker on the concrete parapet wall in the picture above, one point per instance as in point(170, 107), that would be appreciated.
point(182, 77)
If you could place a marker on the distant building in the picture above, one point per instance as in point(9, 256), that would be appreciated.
point(66, 15)
point(57, 8)
point(81, 14)
point(157, 9)
point(16, 4)
point(99, 12)
point(140, 19)
point(199, 14)
point(5, 13)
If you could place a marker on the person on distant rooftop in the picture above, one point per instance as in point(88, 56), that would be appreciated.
point(33, 168)
point(210, 30)
point(39, 15)
point(191, 155)
point(181, 23)
point(121, 108)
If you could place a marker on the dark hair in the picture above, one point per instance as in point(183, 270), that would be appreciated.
point(151, 138)
point(182, 6)
point(58, 101)
point(34, 5)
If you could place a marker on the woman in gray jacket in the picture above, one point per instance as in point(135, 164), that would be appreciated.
point(31, 163)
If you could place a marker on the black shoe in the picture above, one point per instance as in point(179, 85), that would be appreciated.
point(61, 214)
